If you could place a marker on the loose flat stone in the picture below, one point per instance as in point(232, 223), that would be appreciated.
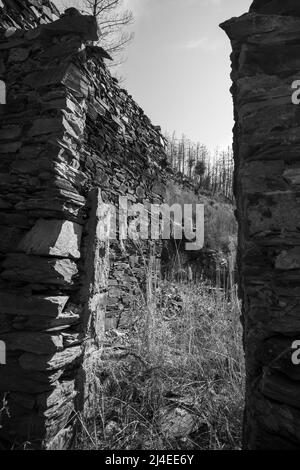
point(60, 360)
point(53, 238)
point(13, 304)
point(34, 269)
point(37, 343)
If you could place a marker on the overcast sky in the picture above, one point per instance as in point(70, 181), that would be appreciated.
point(178, 66)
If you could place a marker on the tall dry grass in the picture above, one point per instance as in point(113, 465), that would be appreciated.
point(178, 378)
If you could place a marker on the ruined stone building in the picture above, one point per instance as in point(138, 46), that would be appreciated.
point(265, 64)
point(71, 139)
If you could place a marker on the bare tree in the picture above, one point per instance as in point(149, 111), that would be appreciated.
point(208, 172)
point(113, 21)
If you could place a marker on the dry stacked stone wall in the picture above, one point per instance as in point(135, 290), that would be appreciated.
point(27, 13)
point(70, 140)
point(265, 64)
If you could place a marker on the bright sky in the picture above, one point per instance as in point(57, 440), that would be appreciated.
point(178, 67)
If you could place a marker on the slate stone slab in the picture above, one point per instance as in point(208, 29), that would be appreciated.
point(60, 238)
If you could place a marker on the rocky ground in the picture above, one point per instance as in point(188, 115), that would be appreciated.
point(181, 385)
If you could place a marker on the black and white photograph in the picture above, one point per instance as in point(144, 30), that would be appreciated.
point(150, 228)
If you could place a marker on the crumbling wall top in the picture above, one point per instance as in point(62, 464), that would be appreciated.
point(26, 14)
point(276, 7)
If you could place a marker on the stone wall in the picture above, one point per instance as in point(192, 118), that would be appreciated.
point(70, 140)
point(27, 13)
point(265, 63)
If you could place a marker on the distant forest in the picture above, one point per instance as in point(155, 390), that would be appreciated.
point(209, 172)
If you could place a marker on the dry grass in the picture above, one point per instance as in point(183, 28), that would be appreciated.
point(185, 354)
point(220, 226)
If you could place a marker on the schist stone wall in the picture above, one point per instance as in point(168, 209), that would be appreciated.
point(70, 140)
point(265, 63)
point(27, 14)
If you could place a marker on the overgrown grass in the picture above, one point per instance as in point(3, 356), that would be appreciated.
point(177, 378)
point(220, 227)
